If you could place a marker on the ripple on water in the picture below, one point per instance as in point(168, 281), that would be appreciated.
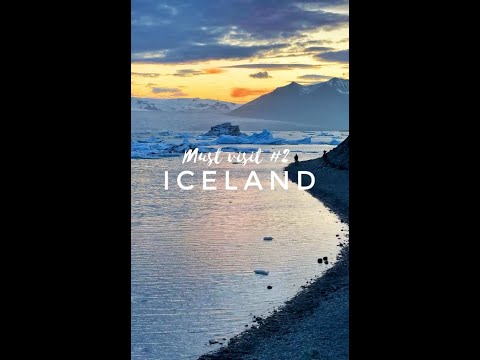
point(194, 253)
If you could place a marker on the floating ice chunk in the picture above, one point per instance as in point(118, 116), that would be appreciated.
point(261, 272)
point(332, 141)
point(152, 147)
point(151, 139)
point(182, 135)
point(335, 142)
point(264, 138)
point(239, 149)
point(184, 146)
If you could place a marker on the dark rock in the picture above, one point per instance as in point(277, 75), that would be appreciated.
point(325, 258)
point(339, 156)
point(269, 287)
point(320, 260)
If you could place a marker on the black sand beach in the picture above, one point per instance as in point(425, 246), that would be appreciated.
point(315, 323)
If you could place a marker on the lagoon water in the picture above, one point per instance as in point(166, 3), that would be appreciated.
point(194, 252)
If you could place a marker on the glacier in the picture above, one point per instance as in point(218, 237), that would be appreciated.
point(182, 104)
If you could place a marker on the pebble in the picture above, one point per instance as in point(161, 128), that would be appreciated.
point(269, 287)
point(261, 272)
point(314, 354)
point(337, 318)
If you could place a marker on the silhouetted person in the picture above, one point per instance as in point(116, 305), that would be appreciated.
point(296, 158)
point(325, 158)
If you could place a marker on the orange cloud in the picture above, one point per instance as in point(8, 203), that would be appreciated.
point(213, 71)
point(242, 92)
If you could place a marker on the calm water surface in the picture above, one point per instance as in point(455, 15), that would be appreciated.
point(194, 252)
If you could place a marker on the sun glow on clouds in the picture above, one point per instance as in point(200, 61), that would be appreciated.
point(213, 71)
point(244, 92)
point(238, 61)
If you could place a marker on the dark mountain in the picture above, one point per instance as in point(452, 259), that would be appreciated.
point(324, 105)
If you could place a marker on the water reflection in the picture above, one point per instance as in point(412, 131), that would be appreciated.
point(194, 252)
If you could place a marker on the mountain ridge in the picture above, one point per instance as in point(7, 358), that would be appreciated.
point(324, 104)
point(181, 104)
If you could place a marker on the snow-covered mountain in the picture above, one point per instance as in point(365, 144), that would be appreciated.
point(183, 104)
point(325, 104)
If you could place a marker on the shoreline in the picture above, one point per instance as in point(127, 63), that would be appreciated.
point(314, 324)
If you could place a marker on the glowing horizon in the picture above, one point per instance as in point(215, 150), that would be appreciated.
point(233, 58)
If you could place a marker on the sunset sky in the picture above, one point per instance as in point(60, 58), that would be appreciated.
point(235, 50)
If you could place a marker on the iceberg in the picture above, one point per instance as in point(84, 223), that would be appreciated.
point(335, 141)
point(183, 135)
point(224, 129)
